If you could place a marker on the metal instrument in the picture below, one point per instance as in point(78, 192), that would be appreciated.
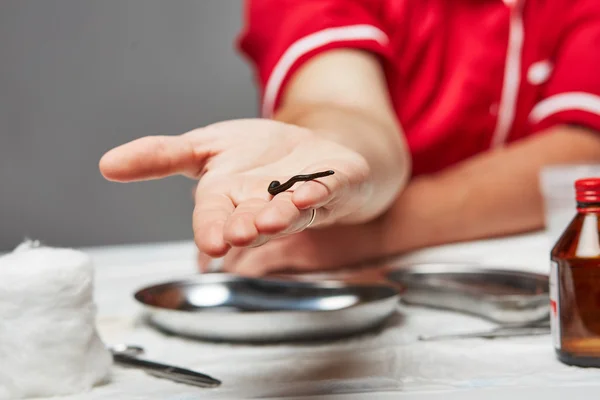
point(126, 356)
point(536, 329)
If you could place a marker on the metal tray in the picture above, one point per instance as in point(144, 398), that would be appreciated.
point(234, 308)
point(507, 297)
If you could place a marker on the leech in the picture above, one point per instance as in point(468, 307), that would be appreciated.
point(277, 187)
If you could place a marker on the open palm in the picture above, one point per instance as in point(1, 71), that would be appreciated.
point(235, 161)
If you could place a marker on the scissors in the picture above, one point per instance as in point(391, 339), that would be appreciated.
point(127, 356)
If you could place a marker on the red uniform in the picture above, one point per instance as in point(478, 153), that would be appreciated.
point(464, 75)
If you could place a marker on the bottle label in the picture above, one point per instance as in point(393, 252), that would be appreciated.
point(554, 305)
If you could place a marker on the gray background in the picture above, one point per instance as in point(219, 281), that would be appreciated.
point(78, 77)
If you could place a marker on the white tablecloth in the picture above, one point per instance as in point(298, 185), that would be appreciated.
point(391, 361)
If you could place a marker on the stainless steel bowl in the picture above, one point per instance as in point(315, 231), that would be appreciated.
point(232, 308)
point(507, 297)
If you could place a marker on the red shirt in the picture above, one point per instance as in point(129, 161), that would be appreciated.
point(464, 75)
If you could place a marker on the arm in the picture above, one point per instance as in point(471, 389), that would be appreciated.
point(493, 194)
point(342, 96)
point(497, 193)
point(346, 125)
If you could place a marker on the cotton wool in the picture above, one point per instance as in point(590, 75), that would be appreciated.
point(49, 344)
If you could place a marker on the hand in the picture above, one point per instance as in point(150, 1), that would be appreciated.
point(235, 161)
point(311, 250)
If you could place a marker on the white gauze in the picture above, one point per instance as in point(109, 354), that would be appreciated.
point(48, 340)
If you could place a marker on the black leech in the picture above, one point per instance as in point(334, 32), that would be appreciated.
point(277, 187)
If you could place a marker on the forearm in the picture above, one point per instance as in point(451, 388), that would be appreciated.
point(376, 141)
point(342, 96)
point(493, 194)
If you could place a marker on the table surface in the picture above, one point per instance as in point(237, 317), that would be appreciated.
point(391, 361)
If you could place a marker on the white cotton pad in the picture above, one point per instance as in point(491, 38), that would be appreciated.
point(49, 345)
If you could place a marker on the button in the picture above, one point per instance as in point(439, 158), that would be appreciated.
point(539, 72)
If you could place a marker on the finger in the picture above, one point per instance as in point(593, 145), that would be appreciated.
point(154, 157)
point(257, 261)
point(203, 261)
point(281, 215)
point(232, 256)
point(240, 228)
point(321, 191)
point(320, 249)
point(285, 254)
point(210, 214)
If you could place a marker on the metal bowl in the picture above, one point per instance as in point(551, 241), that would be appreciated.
point(507, 297)
point(234, 308)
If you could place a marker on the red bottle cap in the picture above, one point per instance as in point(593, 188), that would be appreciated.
point(587, 190)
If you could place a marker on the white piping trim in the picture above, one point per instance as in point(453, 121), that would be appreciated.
point(512, 78)
point(308, 44)
point(580, 101)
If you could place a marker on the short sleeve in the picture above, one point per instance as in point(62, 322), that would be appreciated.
point(280, 35)
point(572, 95)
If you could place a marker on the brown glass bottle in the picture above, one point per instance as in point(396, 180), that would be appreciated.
point(575, 282)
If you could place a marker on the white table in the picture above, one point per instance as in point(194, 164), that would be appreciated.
point(391, 362)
